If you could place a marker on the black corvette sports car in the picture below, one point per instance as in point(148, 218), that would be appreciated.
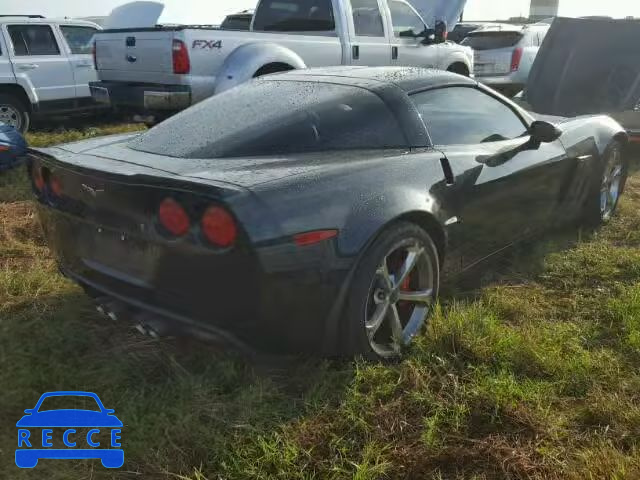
point(317, 210)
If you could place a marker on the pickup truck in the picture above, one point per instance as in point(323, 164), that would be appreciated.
point(161, 70)
point(45, 68)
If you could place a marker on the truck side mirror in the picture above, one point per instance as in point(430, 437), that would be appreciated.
point(441, 31)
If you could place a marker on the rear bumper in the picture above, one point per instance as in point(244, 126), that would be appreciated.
point(141, 96)
point(269, 300)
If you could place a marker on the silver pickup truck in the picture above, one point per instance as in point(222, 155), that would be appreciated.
point(161, 70)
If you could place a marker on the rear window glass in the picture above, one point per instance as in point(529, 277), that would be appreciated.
point(276, 117)
point(492, 40)
point(79, 39)
point(294, 16)
point(240, 22)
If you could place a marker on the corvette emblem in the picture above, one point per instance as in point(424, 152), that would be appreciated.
point(91, 191)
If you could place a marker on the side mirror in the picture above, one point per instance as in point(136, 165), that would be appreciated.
point(441, 31)
point(544, 132)
point(408, 34)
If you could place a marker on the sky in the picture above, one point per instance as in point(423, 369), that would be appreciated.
point(213, 11)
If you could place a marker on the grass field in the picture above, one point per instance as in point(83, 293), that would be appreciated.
point(531, 373)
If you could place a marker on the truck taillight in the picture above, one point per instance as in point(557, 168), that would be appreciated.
point(181, 63)
point(94, 54)
point(516, 58)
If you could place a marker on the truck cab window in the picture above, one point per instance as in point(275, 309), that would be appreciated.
point(405, 19)
point(294, 16)
point(367, 19)
point(33, 40)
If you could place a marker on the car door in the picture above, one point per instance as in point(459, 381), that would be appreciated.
point(40, 62)
point(369, 40)
point(506, 186)
point(79, 44)
point(406, 47)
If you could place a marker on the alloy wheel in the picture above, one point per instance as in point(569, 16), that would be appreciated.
point(611, 184)
point(9, 115)
point(400, 298)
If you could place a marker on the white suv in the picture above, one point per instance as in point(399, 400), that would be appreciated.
point(505, 53)
point(45, 68)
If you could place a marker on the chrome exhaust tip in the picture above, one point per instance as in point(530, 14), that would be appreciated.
point(152, 326)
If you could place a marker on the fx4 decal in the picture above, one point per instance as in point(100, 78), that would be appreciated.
point(207, 44)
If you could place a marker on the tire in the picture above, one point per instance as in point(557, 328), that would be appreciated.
point(608, 185)
point(459, 68)
point(14, 112)
point(272, 68)
point(375, 299)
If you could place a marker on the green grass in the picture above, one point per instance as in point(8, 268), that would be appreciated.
point(532, 375)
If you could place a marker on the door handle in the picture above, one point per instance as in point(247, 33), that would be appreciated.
point(28, 66)
point(84, 65)
point(355, 50)
point(394, 53)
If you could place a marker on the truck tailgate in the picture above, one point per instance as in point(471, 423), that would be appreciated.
point(125, 55)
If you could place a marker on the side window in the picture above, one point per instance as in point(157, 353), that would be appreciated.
point(33, 40)
point(466, 116)
point(367, 19)
point(78, 38)
point(405, 20)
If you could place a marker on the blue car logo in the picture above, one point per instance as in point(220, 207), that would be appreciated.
point(78, 428)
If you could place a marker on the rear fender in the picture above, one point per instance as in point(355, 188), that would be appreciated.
point(243, 63)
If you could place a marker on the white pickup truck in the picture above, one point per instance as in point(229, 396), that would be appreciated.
point(161, 70)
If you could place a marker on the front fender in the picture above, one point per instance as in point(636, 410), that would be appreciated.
point(243, 63)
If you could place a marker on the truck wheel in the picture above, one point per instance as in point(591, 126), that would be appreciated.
point(14, 113)
point(272, 68)
point(459, 68)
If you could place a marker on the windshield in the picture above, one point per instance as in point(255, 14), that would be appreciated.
point(492, 40)
point(69, 402)
point(276, 117)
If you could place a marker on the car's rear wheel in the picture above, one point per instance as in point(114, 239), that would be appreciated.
point(393, 292)
point(609, 185)
point(13, 112)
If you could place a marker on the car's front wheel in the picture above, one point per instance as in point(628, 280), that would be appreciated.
point(608, 187)
point(393, 292)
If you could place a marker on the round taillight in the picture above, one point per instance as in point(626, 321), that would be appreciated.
point(219, 227)
point(55, 184)
point(173, 217)
point(38, 178)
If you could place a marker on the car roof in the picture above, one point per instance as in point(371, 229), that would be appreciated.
point(405, 78)
point(47, 21)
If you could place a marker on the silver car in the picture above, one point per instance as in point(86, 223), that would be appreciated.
point(505, 53)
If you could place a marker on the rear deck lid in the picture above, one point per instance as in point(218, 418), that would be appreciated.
point(588, 66)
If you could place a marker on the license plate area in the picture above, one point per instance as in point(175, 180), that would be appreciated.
point(116, 255)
